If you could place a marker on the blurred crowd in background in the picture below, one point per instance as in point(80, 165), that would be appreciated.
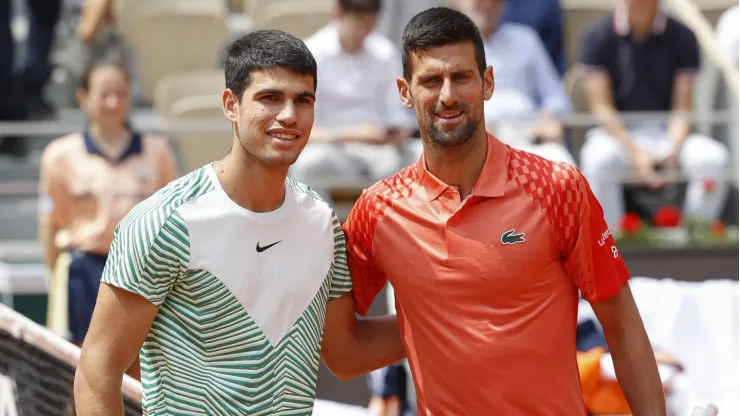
point(631, 92)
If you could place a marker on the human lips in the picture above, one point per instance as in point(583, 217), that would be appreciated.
point(284, 134)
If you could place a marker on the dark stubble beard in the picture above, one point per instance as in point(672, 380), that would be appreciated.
point(456, 137)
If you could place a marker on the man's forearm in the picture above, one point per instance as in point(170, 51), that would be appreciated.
point(47, 235)
point(679, 129)
point(609, 120)
point(637, 371)
point(98, 391)
point(375, 343)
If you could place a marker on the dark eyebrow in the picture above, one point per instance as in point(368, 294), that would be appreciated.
point(307, 94)
point(274, 91)
point(268, 91)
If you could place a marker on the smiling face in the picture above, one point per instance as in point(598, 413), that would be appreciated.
point(447, 92)
point(275, 116)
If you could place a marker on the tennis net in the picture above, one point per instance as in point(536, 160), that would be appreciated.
point(37, 371)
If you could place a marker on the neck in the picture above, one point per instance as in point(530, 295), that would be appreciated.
point(641, 23)
point(458, 166)
point(346, 49)
point(108, 134)
point(249, 182)
point(111, 141)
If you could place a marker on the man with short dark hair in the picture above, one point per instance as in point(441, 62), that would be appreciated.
point(234, 275)
point(487, 248)
point(640, 60)
point(362, 131)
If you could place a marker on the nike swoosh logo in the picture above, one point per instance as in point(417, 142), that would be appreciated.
point(261, 249)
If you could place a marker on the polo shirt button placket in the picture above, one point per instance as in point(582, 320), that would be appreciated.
point(454, 222)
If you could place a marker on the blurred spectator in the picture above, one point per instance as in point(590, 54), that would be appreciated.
point(361, 129)
point(636, 60)
point(21, 95)
point(728, 33)
point(89, 182)
point(96, 15)
point(526, 83)
point(546, 18)
point(99, 38)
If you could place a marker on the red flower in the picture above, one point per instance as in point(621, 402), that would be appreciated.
point(709, 185)
point(718, 228)
point(667, 217)
point(630, 223)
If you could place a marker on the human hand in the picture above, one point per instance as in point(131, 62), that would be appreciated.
point(547, 129)
point(644, 165)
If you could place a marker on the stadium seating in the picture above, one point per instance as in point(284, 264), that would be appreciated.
point(194, 96)
point(172, 36)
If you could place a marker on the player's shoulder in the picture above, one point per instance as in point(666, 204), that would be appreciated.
point(380, 196)
point(307, 198)
point(160, 208)
point(541, 176)
point(63, 147)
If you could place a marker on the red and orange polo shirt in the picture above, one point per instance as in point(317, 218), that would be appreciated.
point(487, 287)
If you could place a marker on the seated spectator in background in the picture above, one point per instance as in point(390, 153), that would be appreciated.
point(728, 34)
point(546, 18)
point(361, 129)
point(89, 182)
point(526, 83)
point(21, 96)
point(637, 60)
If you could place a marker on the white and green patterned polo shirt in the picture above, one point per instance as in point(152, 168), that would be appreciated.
point(242, 296)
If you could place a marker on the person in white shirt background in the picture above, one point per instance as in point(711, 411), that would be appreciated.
point(361, 131)
point(727, 34)
point(528, 85)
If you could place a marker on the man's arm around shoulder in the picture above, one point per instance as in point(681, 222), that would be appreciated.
point(352, 347)
point(634, 360)
point(119, 326)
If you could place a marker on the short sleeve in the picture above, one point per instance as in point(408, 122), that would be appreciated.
point(688, 51)
point(595, 46)
point(367, 277)
point(148, 253)
point(591, 255)
point(341, 282)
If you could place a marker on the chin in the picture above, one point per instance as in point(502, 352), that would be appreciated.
point(280, 159)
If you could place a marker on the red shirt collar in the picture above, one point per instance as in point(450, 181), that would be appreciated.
point(490, 183)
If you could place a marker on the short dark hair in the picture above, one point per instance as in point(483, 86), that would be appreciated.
point(440, 26)
point(360, 6)
point(262, 50)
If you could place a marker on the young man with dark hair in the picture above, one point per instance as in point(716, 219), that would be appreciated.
point(234, 277)
point(487, 248)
